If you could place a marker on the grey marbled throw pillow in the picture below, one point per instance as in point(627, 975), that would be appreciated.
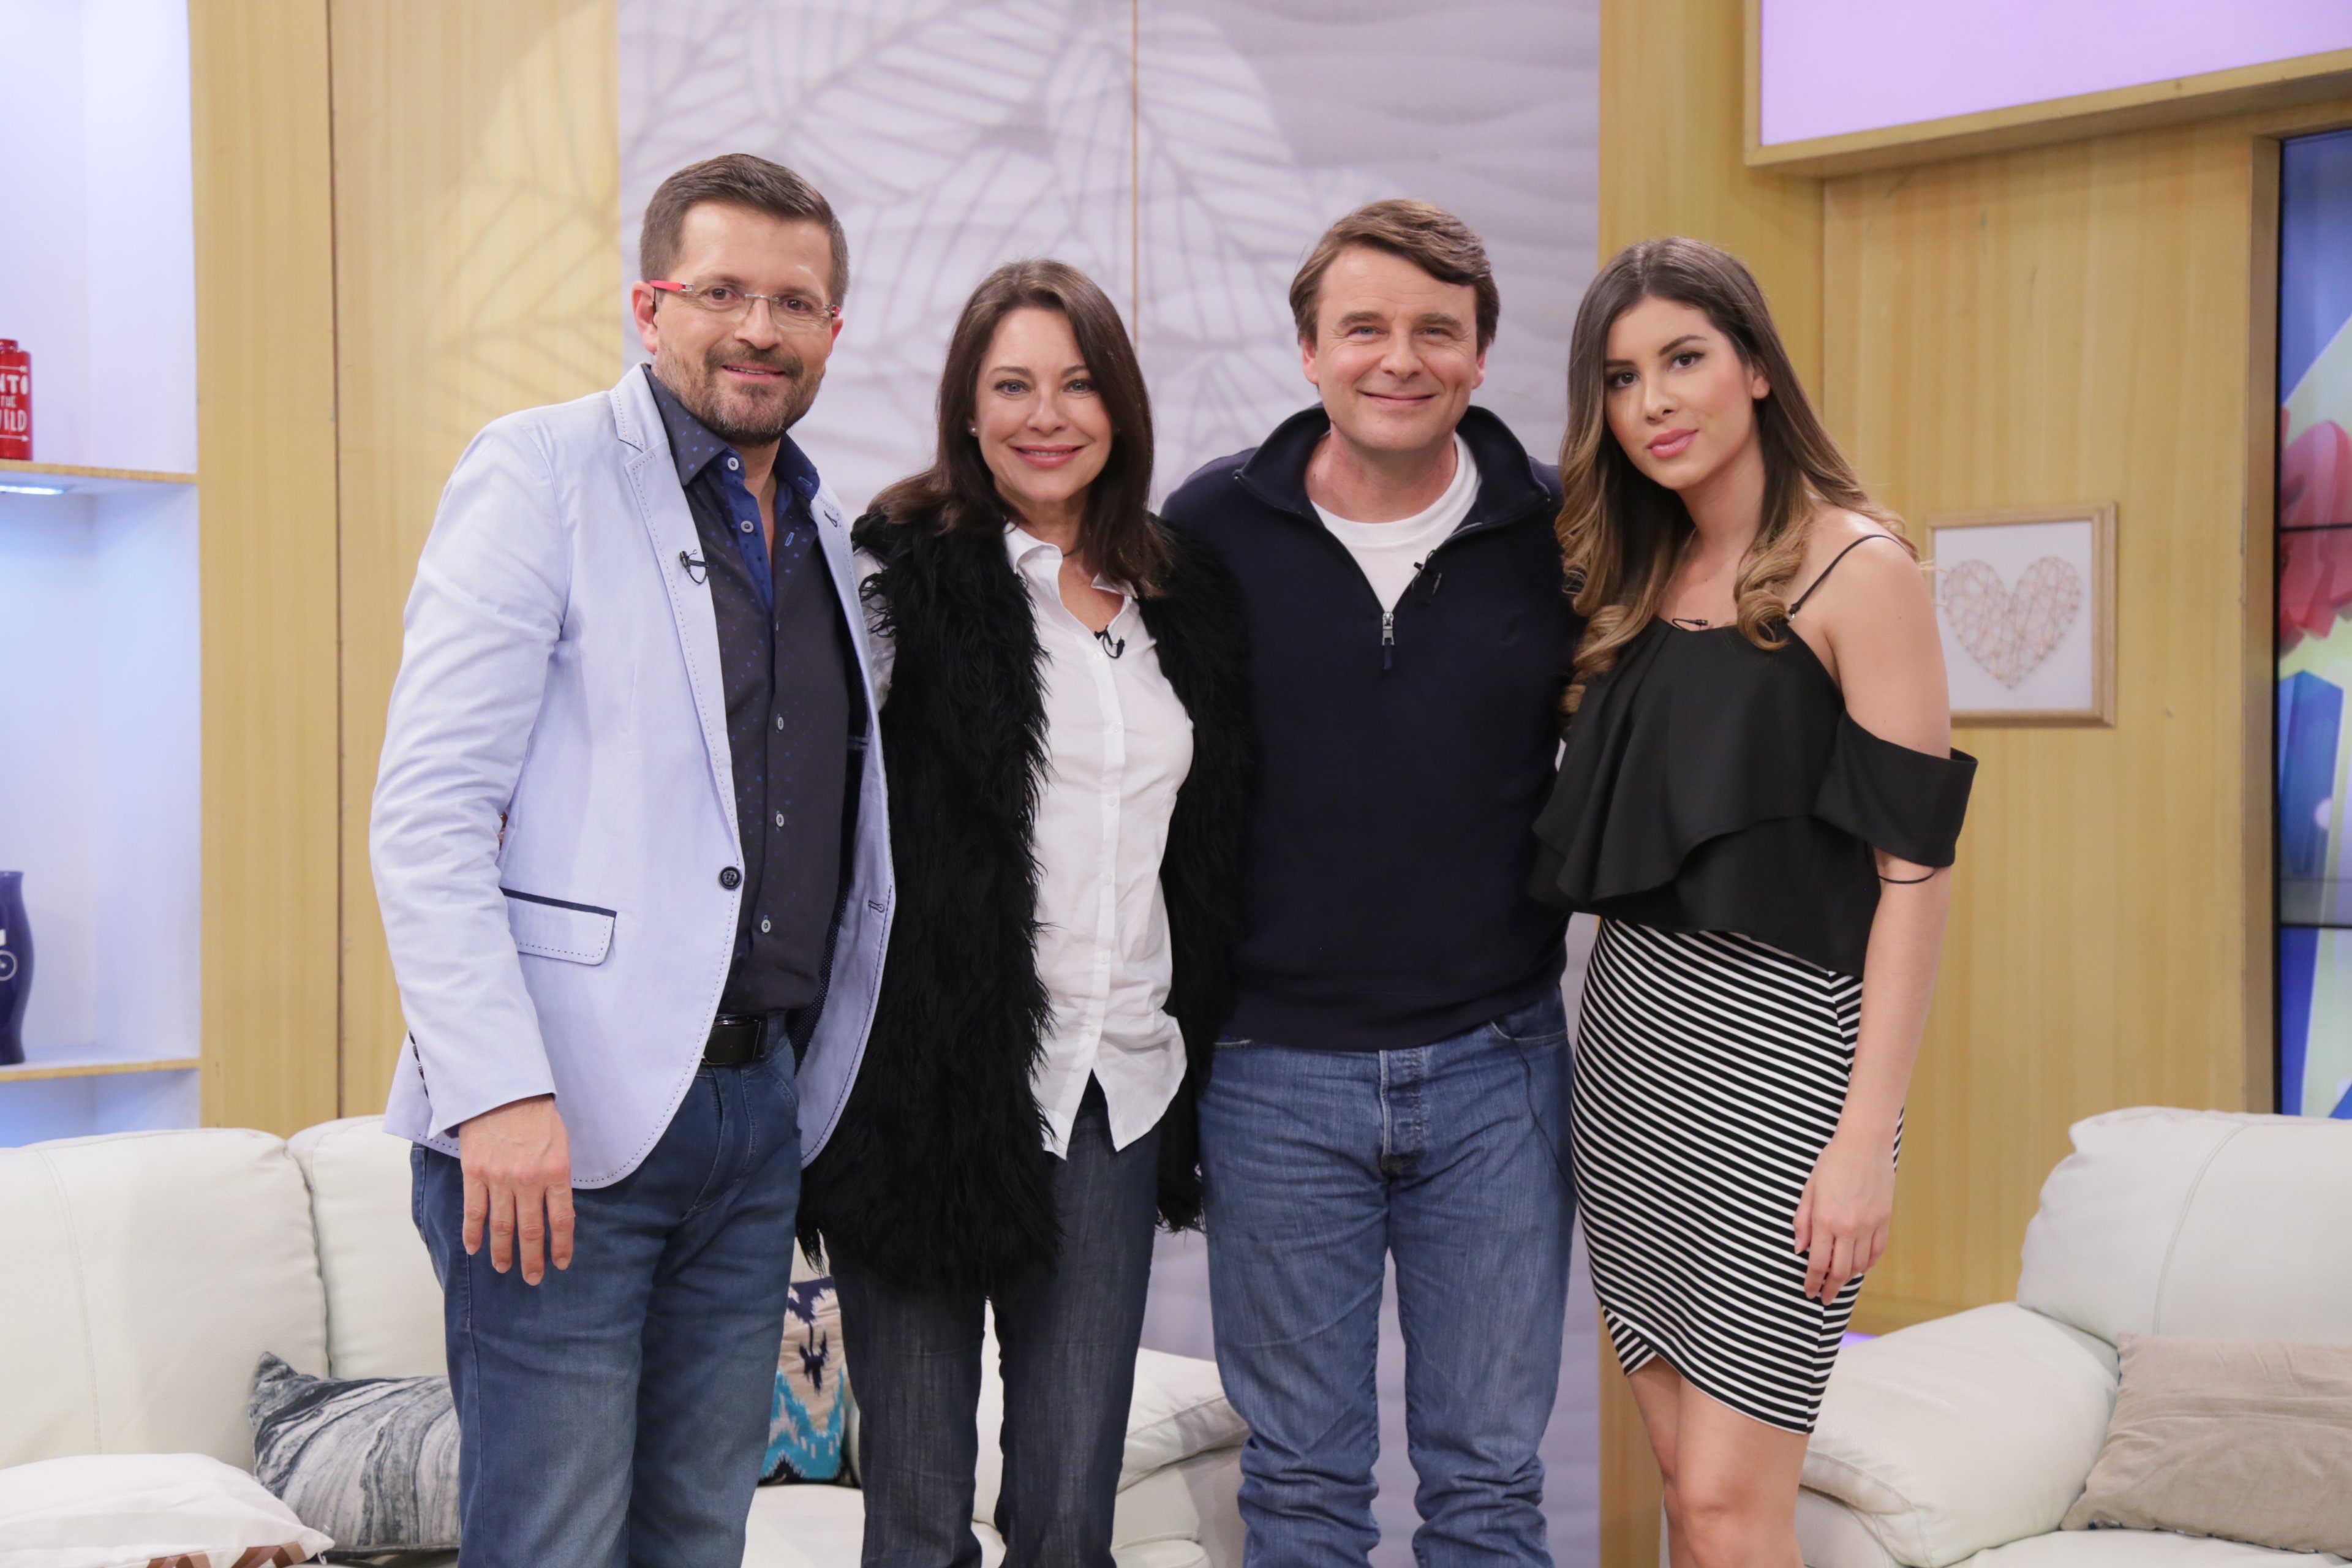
point(371, 1461)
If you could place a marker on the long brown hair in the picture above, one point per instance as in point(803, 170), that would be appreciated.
point(1117, 535)
point(1620, 530)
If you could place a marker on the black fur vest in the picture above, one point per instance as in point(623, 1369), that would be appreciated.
point(936, 1176)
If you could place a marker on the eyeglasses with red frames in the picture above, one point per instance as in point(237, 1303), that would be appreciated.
point(791, 312)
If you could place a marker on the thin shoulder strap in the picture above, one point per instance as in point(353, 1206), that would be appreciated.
point(1815, 586)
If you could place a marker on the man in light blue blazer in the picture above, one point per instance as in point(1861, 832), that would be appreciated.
point(630, 841)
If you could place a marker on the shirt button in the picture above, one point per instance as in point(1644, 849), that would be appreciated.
point(746, 525)
point(731, 879)
point(780, 819)
point(780, 720)
point(763, 925)
point(734, 463)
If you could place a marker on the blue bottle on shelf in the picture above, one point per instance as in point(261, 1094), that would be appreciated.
point(16, 967)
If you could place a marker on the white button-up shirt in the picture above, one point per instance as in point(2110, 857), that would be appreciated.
point(1119, 745)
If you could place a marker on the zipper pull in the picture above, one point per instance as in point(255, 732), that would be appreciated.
point(1388, 640)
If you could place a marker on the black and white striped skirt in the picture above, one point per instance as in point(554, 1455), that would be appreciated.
point(1710, 1072)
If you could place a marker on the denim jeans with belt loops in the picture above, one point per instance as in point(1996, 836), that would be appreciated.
point(1321, 1165)
point(616, 1413)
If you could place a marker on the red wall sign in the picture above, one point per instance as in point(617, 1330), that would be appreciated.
point(16, 401)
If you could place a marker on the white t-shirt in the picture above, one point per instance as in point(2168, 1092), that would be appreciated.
point(1390, 554)
point(1119, 745)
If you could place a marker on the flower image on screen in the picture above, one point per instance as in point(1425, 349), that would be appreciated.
point(2315, 646)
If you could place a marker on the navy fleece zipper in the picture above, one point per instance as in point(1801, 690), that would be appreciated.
point(1387, 615)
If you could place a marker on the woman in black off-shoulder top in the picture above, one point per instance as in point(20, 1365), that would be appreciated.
point(1758, 795)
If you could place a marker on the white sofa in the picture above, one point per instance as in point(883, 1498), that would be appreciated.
point(1966, 1440)
point(148, 1271)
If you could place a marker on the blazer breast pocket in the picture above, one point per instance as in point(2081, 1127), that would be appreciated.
point(556, 927)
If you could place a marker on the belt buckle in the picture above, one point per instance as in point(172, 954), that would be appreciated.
point(727, 1045)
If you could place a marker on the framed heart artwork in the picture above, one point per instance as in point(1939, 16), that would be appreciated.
point(2026, 604)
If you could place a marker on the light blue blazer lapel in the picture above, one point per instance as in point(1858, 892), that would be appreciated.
point(669, 525)
point(863, 940)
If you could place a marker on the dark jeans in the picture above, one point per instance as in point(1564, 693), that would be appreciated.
point(1322, 1165)
point(1066, 1339)
point(617, 1412)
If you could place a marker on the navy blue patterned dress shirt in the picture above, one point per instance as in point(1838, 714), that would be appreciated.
point(787, 668)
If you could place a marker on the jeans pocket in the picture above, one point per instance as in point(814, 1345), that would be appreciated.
point(1544, 1023)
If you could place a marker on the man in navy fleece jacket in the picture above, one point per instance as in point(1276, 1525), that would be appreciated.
point(1395, 1078)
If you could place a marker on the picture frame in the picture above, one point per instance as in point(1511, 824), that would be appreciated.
point(2025, 604)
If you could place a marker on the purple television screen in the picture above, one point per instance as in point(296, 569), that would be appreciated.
point(1830, 67)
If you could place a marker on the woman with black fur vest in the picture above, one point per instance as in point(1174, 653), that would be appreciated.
point(1066, 735)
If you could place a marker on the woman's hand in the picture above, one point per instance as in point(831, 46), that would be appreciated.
point(1841, 1219)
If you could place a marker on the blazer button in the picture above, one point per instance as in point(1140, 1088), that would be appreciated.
point(731, 879)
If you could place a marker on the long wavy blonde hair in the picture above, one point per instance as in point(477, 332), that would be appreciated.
point(1620, 530)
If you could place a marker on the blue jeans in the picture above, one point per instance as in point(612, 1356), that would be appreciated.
point(1320, 1165)
point(1066, 1337)
point(617, 1412)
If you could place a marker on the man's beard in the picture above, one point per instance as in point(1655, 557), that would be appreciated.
point(702, 394)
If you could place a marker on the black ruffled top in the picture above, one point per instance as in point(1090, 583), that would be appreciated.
point(1710, 785)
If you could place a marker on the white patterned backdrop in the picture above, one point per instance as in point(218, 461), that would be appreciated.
point(1186, 154)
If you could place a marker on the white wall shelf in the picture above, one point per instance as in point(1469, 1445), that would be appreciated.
point(82, 479)
point(101, 728)
point(90, 1064)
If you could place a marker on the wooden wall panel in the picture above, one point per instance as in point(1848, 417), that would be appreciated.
point(265, 455)
point(2077, 323)
point(477, 199)
point(1672, 143)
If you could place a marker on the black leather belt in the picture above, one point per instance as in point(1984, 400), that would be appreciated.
point(737, 1039)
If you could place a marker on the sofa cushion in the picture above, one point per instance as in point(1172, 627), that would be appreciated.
point(2197, 1221)
point(2263, 1251)
point(821, 1527)
point(384, 1305)
point(371, 1461)
point(2247, 1440)
point(148, 1273)
point(1832, 1535)
point(2142, 1549)
point(1179, 1410)
point(1962, 1433)
point(1196, 1499)
point(804, 1527)
point(808, 1414)
point(2095, 1251)
point(126, 1511)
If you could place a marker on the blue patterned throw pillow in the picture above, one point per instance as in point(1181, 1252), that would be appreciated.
point(808, 1424)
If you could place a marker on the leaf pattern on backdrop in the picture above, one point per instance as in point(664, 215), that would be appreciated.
point(953, 137)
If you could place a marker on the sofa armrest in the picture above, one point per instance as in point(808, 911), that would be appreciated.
point(1964, 1432)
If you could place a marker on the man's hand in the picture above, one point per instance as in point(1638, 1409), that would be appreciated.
point(517, 1166)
